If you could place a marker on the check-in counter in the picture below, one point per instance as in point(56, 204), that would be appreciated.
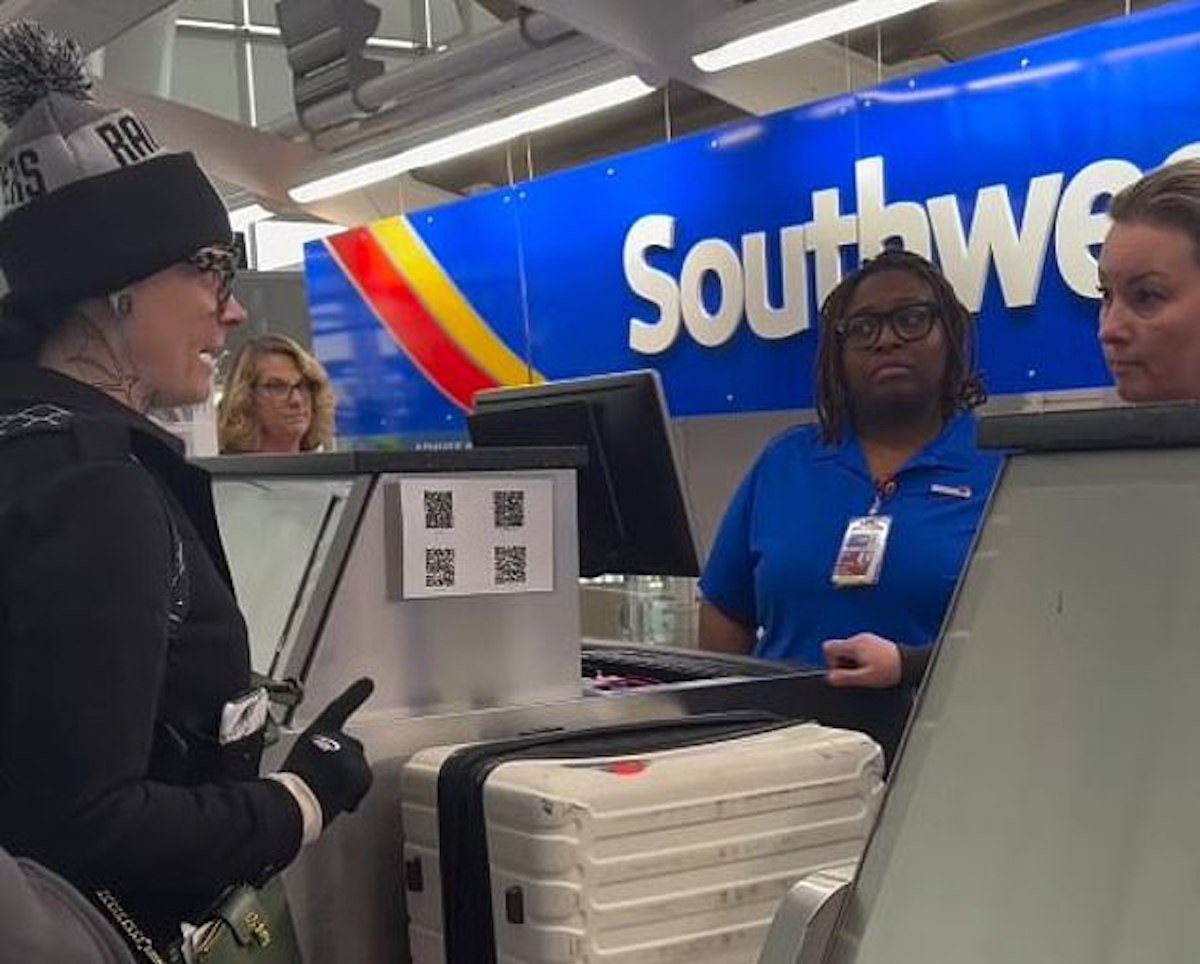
point(1043, 805)
point(328, 554)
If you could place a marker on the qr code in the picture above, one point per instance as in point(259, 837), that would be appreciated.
point(439, 510)
point(510, 568)
point(509, 506)
point(439, 568)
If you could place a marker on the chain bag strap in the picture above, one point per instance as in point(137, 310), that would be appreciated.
point(129, 927)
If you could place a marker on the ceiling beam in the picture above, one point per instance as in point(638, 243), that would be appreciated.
point(90, 23)
point(264, 165)
point(666, 35)
point(500, 9)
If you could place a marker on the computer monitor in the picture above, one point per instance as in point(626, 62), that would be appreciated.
point(633, 515)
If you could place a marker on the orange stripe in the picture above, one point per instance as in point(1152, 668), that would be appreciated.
point(402, 313)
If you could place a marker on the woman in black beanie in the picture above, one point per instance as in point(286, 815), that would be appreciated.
point(130, 735)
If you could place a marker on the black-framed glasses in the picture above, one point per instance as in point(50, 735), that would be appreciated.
point(909, 323)
point(219, 261)
point(278, 390)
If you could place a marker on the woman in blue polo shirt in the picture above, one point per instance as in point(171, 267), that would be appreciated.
point(859, 525)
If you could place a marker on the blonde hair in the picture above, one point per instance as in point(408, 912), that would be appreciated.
point(237, 420)
point(1166, 198)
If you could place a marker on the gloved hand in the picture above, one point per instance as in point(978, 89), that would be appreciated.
point(329, 761)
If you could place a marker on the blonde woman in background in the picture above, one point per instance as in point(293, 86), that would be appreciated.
point(277, 400)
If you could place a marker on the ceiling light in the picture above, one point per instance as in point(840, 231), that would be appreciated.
point(268, 30)
point(196, 23)
point(242, 218)
point(476, 138)
point(395, 43)
point(809, 29)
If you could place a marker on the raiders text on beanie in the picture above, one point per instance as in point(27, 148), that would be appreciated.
point(90, 202)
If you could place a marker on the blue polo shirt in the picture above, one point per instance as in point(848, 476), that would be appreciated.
point(772, 563)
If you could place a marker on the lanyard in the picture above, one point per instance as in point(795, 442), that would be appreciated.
point(861, 554)
point(884, 489)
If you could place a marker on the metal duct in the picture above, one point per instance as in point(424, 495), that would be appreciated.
point(508, 43)
point(325, 41)
point(536, 70)
point(592, 72)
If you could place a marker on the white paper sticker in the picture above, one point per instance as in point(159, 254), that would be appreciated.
point(242, 717)
point(472, 536)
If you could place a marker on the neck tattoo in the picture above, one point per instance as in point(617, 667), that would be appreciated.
point(89, 357)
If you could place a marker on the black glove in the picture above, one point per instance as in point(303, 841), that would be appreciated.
point(328, 760)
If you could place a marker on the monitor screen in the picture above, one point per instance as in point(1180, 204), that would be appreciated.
point(633, 515)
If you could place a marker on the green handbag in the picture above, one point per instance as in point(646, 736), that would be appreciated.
point(249, 926)
point(252, 926)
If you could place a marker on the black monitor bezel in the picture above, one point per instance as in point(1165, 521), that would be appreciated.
point(591, 389)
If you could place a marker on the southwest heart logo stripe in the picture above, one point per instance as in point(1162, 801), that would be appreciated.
point(442, 297)
point(421, 307)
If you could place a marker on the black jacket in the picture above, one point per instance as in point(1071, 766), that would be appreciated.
point(111, 772)
point(914, 660)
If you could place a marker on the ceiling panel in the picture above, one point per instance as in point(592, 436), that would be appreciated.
point(93, 23)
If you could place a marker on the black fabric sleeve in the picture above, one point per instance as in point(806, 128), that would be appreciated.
point(84, 655)
point(914, 660)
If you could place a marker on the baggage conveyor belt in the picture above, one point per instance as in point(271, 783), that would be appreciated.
point(671, 664)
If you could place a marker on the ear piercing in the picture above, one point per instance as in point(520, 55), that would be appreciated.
point(122, 303)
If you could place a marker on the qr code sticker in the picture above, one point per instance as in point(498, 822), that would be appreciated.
point(439, 568)
point(509, 506)
point(510, 565)
point(439, 510)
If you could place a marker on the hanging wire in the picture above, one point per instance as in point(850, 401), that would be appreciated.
point(508, 161)
point(667, 129)
point(529, 156)
point(857, 126)
point(523, 281)
point(246, 51)
point(879, 53)
point(1128, 7)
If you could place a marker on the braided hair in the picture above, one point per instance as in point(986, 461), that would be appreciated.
point(962, 388)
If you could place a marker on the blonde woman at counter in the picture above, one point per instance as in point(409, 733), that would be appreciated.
point(277, 400)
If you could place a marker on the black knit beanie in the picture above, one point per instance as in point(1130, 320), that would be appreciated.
point(89, 202)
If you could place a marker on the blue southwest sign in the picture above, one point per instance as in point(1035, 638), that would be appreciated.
point(706, 257)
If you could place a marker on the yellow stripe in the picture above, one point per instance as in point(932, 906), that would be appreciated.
point(448, 305)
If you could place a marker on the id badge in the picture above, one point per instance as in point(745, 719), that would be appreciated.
point(861, 555)
point(243, 716)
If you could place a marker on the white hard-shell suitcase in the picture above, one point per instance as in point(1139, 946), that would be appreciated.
point(627, 855)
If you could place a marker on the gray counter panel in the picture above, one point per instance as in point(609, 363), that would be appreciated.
point(1044, 808)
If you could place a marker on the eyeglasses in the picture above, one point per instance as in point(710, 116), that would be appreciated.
point(279, 391)
point(909, 323)
point(221, 262)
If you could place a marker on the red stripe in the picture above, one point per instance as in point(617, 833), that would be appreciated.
point(396, 305)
